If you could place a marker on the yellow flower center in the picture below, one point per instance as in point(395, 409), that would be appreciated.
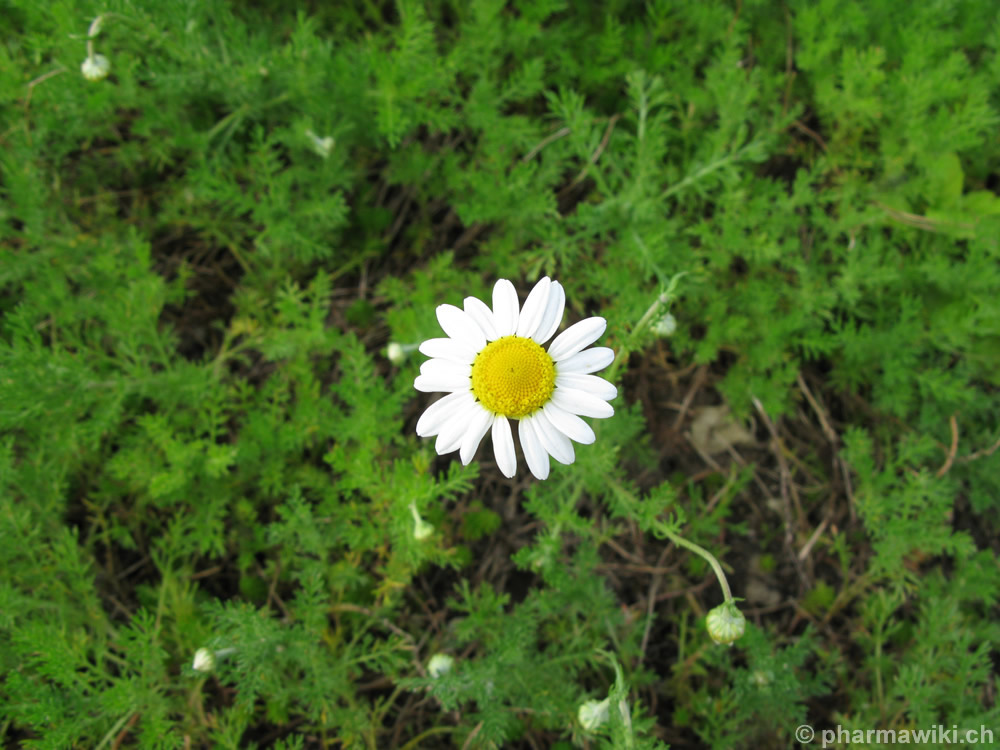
point(513, 376)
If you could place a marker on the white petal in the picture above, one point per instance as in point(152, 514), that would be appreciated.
point(505, 307)
point(479, 423)
point(452, 432)
point(440, 411)
point(569, 424)
point(581, 402)
point(576, 337)
point(443, 375)
point(553, 441)
point(451, 349)
point(476, 309)
point(553, 314)
point(534, 454)
point(446, 368)
point(589, 383)
point(457, 324)
point(434, 384)
point(503, 447)
point(534, 308)
point(590, 360)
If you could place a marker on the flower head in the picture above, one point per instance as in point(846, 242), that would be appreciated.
point(421, 529)
point(726, 624)
point(95, 67)
point(494, 368)
point(204, 660)
point(665, 326)
point(395, 353)
point(440, 664)
point(593, 713)
point(322, 146)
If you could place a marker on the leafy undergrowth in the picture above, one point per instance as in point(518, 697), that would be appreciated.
point(203, 444)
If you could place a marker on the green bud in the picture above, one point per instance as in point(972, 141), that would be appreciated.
point(440, 664)
point(421, 529)
point(593, 713)
point(726, 623)
point(95, 67)
point(204, 660)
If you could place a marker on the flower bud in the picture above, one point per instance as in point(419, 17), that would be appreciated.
point(322, 146)
point(395, 353)
point(665, 326)
point(421, 529)
point(726, 623)
point(95, 67)
point(440, 664)
point(204, 660)
point(593, 713)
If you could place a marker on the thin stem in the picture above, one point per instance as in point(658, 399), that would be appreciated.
point(681, 541)
point(707, 170)
point(95, 27)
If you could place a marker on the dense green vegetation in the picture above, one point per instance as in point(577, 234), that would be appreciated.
point(206, 249)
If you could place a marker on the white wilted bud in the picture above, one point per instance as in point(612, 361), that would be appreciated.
point(726, 624)
point(593, 713)
point(95, 67)
point(440, 664)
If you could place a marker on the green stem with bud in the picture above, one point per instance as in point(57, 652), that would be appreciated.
point(662, 301)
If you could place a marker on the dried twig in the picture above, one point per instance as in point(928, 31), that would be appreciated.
point(981, 453)
point(696, 383)
point(651, 605)
point(953, 449)
point(596, 155)
point(820, 414)
point(788, 491)
point(562, 132)
point(807, 548)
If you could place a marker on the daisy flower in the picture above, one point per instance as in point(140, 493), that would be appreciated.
point(494, 369)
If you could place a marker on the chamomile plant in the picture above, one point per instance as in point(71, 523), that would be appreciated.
point(494, 368)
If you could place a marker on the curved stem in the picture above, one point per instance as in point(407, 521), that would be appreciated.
point(679, 540)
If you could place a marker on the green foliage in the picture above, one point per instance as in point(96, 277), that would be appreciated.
point(203, 445)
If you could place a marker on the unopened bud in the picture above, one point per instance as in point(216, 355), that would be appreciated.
point(593, 713)
point(204, 660)
point(395, 353)
point(665, 326)
point(421, 529)
point(322, 146)
point(726, 624)
point(95, 67)
point(440, 664)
